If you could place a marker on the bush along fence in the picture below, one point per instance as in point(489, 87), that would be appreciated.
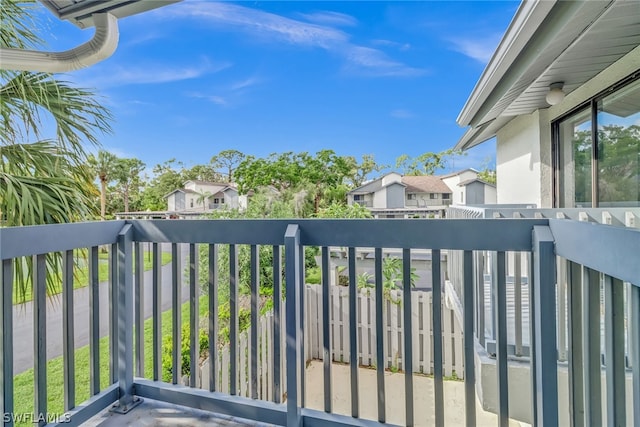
point(393, 314)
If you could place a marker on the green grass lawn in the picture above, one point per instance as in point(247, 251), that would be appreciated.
point(23, 383)
point(81, 276)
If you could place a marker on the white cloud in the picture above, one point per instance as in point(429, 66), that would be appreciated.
point(246, 83)
point(479, 49)
point(330, 18)
point(389, 43)
point(269, 27)
point(376, 63)
point(150, 73)
point(401, 113)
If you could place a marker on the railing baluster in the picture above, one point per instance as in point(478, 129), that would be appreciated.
point(176, 312)
point(576, 331)
point(438, 386)
point(139, 307)
point(113, 313)
point(517, 295)
point(614, 351)
point(301, 325)
point(353, 333)
point(67, 331)
point(634, 346)
point(213, 317)
point(40, 335)
point(292, 257)
point(277, 325)
point(500, 310)
point(255, 279)
point(6, 339)
point(233, 318)
point(481, 298)
point(94, 322)
point(157, 311)
point(326, 328)
point(469, 351)
point(408, 336)
point(591, 350)
point(380, 334)
point(545, 351)
point(194, 316)
point(532, 341)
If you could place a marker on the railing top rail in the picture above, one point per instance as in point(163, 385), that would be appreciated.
point(614, 251)
point(40, 239)
point(478, 234)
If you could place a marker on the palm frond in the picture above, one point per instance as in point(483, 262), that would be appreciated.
point(26, 98)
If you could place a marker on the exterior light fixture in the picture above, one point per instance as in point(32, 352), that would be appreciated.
point(555, 95)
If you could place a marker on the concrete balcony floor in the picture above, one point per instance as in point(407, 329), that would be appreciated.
point(153, 413)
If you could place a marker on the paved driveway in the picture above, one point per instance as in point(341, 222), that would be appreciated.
point(23, 317)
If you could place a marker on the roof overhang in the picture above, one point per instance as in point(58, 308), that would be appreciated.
point(80, 12)
point(547, 41)
point(101, 14)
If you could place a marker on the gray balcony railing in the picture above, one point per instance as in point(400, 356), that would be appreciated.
point(541, 239)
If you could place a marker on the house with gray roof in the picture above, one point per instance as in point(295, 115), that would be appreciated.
point(397, 196)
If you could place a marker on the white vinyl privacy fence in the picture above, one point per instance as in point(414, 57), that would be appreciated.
point(422, 337)
point(422, 330)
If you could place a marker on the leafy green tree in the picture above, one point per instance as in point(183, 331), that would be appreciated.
point(227, 160)
point(166, 179)
point(363, 169)
point(285, 171)
point(427, 163)
point(338, 210)
point(126, 173)
point(201, 173)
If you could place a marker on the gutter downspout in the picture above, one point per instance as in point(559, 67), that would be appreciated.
point(100, 47)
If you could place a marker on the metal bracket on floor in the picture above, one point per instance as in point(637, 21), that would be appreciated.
point(120, 408)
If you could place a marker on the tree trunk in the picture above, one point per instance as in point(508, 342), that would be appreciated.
point(103, 199)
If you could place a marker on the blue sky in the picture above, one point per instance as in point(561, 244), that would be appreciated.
point(385, 78)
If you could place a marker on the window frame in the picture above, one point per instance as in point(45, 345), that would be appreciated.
point(592, 105)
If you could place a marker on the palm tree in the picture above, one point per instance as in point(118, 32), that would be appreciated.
point(202, 198)
point(104, 167)
point(42, 180)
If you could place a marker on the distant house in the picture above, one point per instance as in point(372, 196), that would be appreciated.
point(469, 189)
point(204, 196)
point(397, 196)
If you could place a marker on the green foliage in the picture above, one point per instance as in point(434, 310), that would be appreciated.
point(392, 277)
point(427, 163)
point(185, 352)
point(42, 180)
point(337, 210)
point(227, 160)
point(311, 174)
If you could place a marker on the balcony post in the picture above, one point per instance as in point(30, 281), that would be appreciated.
point(544, 351)
point(294, 334)
point(125, 322)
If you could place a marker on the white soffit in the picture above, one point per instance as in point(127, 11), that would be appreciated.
point(79, 12)
point(573, 43)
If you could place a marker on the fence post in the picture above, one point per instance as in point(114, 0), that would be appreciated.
point(544, 352)
point(125, 322)
point(294, 334)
